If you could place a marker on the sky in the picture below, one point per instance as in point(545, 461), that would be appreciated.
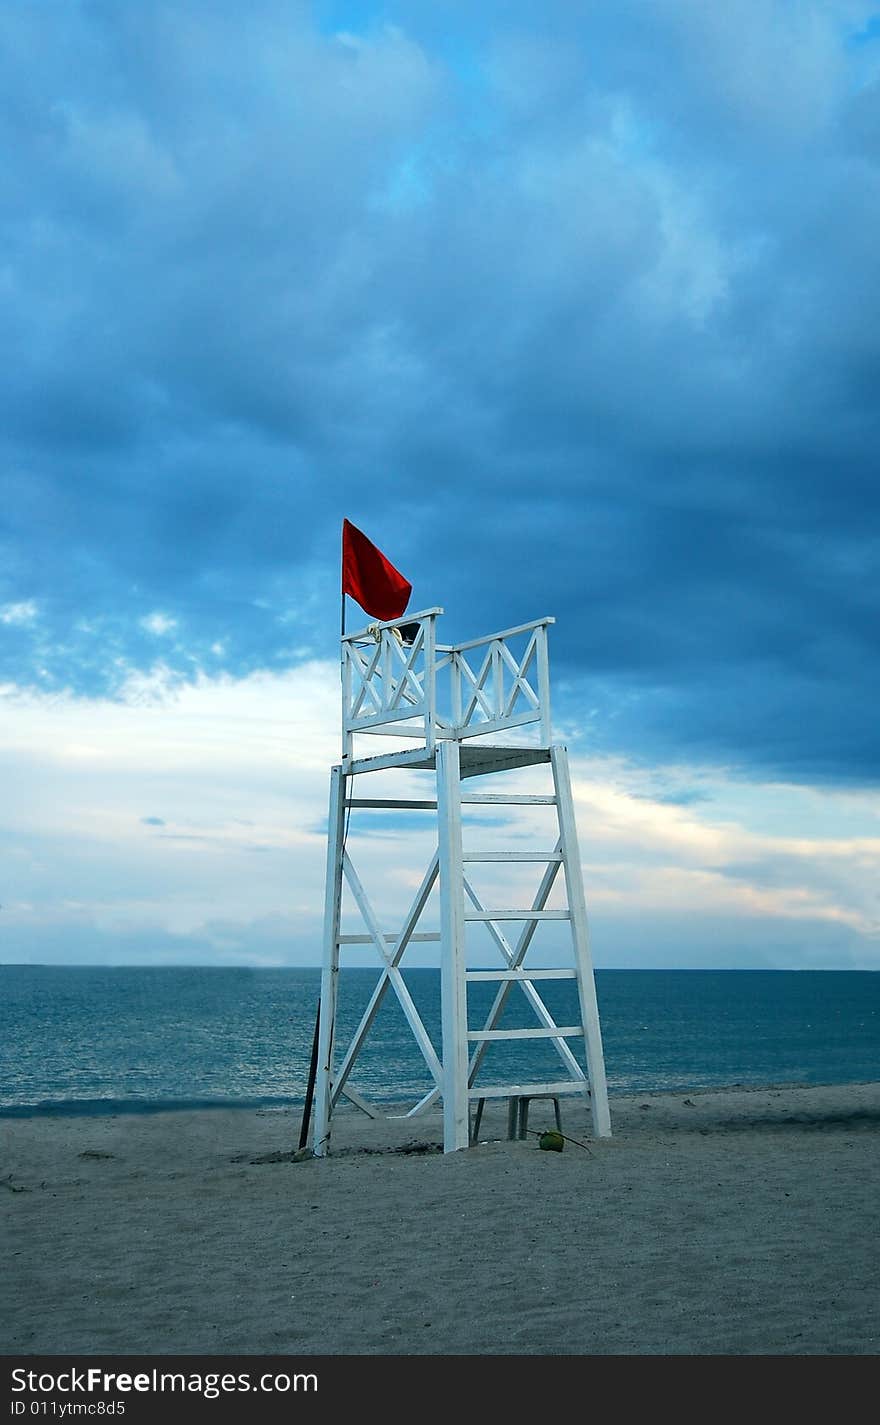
point(575, 311)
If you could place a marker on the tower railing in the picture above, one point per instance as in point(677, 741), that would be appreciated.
point(398, 681)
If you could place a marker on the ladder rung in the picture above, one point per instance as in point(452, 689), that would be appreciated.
point(567, 1031)
point(512, 856)
point(511, 799)
point(391, 804)
point(517, 915)
point(530, 1090)
point(422, 935)
point(520, 974)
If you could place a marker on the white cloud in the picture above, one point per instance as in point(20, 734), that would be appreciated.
point(21, 613)
point(186, 822)
point(236, 771)
point(158, 623)
point(706, 859)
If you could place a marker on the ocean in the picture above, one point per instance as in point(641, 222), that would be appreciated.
point(139, 1039)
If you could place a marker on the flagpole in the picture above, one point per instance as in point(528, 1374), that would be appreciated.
point(342, 587)
point(313, 1066)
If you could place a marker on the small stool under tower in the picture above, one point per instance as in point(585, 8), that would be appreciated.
point(517, 1114)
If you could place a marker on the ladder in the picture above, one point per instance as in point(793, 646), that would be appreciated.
point(455, 1067)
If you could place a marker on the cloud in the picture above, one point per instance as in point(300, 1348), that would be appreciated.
point(158, 623)
point(718, 856)
point(22, 613)
point(573, 311)
point(236, 860)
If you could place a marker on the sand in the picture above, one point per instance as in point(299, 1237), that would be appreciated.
point(736, 1222)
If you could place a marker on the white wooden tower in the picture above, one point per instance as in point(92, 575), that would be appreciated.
point(478, 708)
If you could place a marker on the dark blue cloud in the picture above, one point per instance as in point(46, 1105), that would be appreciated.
point(573, 314)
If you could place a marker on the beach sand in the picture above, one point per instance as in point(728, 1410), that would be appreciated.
point(735, 1222)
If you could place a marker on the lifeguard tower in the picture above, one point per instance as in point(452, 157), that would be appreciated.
point(476, 708)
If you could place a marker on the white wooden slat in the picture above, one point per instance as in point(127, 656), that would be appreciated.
point(402, 683)
point(455, 689)
point(388, 684)
point(568, 1031)
point(402, 940)
point(519, 669)
point(359, 1101)
point(601, 1116)
point(399, 693)
point(522, 974)
point(430, 682)
point(519, 666)
point(346, 702)
point(500, 799)
point(453, 988)
point(364, 634)
point(409, 679)
point(544, 689)
point(504, 856)
point(385, 728)
point(480, 759)
point(521, 688)
point(390, 938)
point(392, 687)
point(429, 1099)
point(423, 1103)
point(414, 1019)
point(505, 633)
point(366, 665)
point(562, 1086)
point(517, 915)
point(477, 696)
point(391, 803)
point(381, 725)
point(363, 660)
point(514, 959)
point(362, 686)
point(400, 726)
point(498, 680)
point(546, 1090)
point(414, 757)
point(482, 729)
point(394, 727)
point(471, 684)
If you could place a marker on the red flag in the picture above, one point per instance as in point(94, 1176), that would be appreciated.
point(369, 578)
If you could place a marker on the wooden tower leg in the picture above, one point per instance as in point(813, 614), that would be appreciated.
point(580, 936)
point(453, 986)
point(330, 963)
